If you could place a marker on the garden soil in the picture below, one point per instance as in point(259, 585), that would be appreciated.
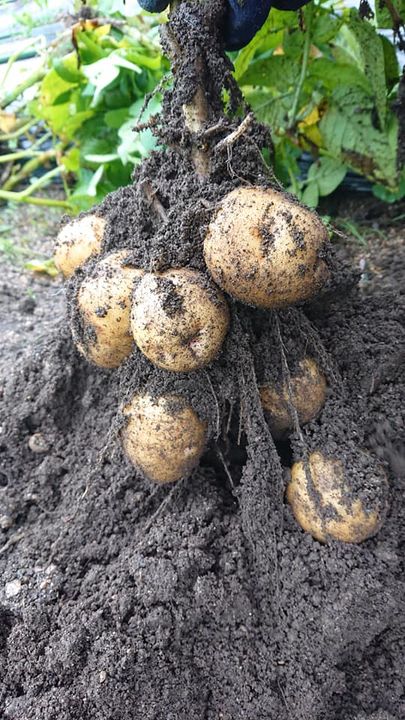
point(120, 600)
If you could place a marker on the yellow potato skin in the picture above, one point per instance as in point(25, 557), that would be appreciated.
point(104, 304)
point(263, 249)
point(308, 395)
point(77, 242)
point(163, 437)
point(177, 321)
point(350, 522)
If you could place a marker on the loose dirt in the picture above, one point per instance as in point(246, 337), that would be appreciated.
point(205, 601)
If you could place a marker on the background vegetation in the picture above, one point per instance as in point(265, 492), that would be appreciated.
point(324, 80)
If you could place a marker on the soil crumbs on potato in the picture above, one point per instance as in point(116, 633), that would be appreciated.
point(203, 601)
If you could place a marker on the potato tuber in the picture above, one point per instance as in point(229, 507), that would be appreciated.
point(308, 394)
point(77, 242)
point(179, 319)
point(163, 437)
point(101, 328)
point(325, 504)
point(265, 249)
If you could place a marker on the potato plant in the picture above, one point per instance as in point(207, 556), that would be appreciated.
point(194, 291)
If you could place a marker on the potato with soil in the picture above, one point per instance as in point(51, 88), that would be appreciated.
point(266, 250)
point(77, 242)
point(179, 319)
point(163, 436)
point(308, 395)
point(102, 308)
point(325, 503)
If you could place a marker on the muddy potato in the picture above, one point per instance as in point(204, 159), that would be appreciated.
point(326, 507)
point(308, 394)
point(179, 319)
point(101, 327)
point(163, 437)
point(77, 242)
point(264, 249)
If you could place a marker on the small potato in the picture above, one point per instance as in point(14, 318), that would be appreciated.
point(77, 242)
point(179, 319)
point(325, 506)
point(164, 437)
point(264, 249)
point(103, 332)
point(308, 394)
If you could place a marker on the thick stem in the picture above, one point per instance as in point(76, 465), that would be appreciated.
point(29, 81)
point(28, 168)
point(26, 195)
point(195, 112)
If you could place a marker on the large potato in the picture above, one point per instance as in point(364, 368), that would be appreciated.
point(179, 319)
point(77, 242)
point(308, 394)
point(264, 249)
point(325, 505)
point(101, 329)
point(163, 437)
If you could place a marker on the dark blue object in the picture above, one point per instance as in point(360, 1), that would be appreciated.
point(153, 5)
point(243, 18)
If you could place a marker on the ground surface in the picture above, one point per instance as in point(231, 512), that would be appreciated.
point(111, 611)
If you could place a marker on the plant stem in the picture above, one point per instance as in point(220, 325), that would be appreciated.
point(304, 67)
point(29, 81)
point(12, 59)
point(26, 195)
point(19, 155)
point(28, 168)
point(196, 111)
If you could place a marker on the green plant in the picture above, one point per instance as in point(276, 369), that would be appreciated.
point(325, 84)
point(90, 94)
point(326, 88)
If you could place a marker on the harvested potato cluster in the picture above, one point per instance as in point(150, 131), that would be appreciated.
point(260, 248)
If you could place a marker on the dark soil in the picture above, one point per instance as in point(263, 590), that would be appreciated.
point(110, 610)
point(204, 601)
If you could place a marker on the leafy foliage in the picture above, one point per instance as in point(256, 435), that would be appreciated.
point(91, 98)
point(325, 85)
point(326, 89)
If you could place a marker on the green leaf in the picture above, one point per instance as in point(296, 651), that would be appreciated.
point(383, 16)
point(116, 118)
point(275, 71)
point(310, 196)
point(391, 65)
point(328, 173)
point(71, 160)
point(101, 158)
point(390, 196)
point(101, 74)
point(325, 28)
point(349, 135)
point(67, 69)
point(373, 58)
point(331, 74)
